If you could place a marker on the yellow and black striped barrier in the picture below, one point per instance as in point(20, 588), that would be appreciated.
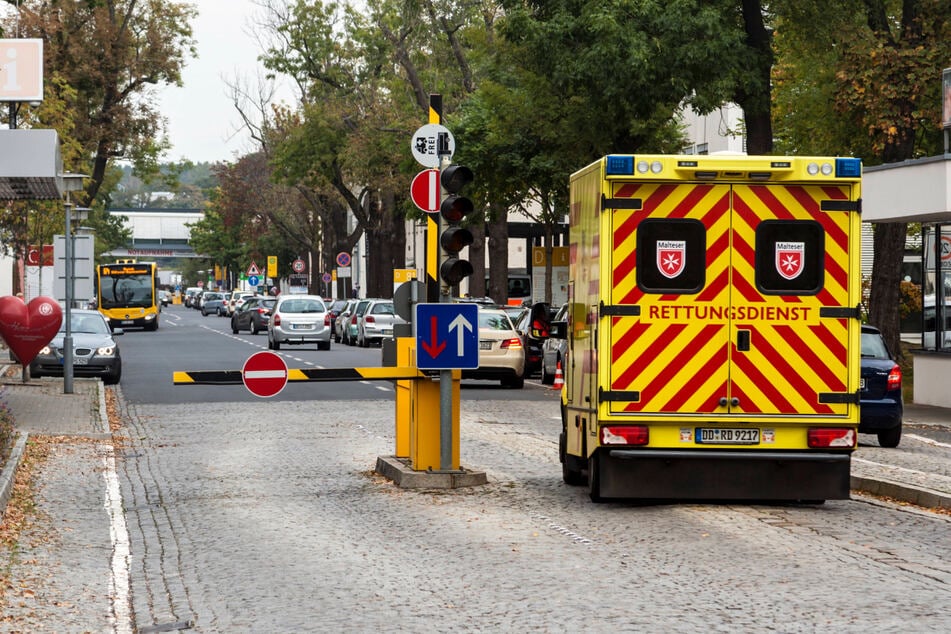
point(301, 375)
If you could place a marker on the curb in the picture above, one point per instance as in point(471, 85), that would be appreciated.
point(902, 492)
point(9, 471)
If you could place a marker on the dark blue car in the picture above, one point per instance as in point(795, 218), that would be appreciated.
point(881, 398)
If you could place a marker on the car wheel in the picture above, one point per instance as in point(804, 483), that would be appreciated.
point(113, 379)
point(516, 383)
point(254, 328)
point(275, 345)
point(323, 345)
point(234, 326)
point(890, 437)
point(364, 343)
point(336, 338)
point(594, 478)
point(547, 379)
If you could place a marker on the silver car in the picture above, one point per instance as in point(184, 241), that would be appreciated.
point(554, 351)
point(377, 322)
point(95, 351)
point(298, 320)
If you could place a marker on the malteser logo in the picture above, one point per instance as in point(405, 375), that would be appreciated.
point(671, 257)
point(790, 259)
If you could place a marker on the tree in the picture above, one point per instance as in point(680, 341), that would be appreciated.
point(884, 66)
point(109, 54)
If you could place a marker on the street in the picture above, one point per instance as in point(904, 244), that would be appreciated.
point(265, 515)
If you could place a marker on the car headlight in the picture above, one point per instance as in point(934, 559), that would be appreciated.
point(106, 351)
point(45, 350)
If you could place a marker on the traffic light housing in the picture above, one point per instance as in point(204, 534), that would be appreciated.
point(453, 239)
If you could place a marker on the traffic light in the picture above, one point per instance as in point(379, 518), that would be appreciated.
point(454, 238)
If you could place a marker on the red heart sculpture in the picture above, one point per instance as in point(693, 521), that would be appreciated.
point(28, 327)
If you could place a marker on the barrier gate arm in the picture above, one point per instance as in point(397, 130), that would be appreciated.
point(301, 375)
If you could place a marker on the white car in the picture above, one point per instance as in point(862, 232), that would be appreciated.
point(298, 320)
point(501, 355)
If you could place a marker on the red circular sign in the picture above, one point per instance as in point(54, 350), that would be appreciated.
point(343, 259)
point(424, 190)
point(264, 374)
point(298, 266)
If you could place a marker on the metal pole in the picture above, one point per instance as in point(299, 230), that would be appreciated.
point(445, 376)
point(68, 337)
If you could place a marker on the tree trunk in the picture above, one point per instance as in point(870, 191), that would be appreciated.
point(497, 233)
point(885, 297)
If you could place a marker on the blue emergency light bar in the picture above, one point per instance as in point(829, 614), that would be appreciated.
point(619, 165)
point(848, 167)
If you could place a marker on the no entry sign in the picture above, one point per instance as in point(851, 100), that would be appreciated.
point(424, 190)
point(264, 374)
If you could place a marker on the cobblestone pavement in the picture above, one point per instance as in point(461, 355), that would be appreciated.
point(267, 517)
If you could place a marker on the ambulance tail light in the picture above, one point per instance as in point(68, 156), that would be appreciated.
point(831, 437)
point(625, 435)
point(894, 378)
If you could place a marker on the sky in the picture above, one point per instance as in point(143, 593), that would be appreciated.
point(202, 121)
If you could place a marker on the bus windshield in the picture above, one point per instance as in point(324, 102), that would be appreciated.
point(118, 291)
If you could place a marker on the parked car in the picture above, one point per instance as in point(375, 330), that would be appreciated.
point(342, 322)
point(238, 298)
point(335, 307)
point(880, 401)
point(95, 351)
point(298, 320)
point(501, 355)
point(254, 314)
point(930, 321)
point(532, 345)
point(189, 295)
point(350, 332)
point(212, 302)
point(377, 322)
point(553, 350)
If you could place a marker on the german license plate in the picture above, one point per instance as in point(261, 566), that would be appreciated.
point(300, 326)
point(485, 344)
point(727, 436)
point(80, 361)
point(127, 322)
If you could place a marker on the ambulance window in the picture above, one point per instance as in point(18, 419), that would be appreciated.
point(790, 257)
point(671, 255)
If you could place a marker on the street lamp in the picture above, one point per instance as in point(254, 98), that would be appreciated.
point(71, 183)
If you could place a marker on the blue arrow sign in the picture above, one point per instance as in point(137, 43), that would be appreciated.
point(447, 336)
point(253, 280)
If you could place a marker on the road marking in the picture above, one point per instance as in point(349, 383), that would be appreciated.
point(119, 581)
point(889, 466)
point(928, 441)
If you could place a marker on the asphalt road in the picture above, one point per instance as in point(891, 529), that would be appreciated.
point(187, 341)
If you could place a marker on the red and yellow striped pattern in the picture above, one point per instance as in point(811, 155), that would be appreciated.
point(679, 355)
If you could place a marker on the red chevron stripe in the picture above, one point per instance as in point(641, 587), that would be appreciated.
point(747, 404)
point(766, 385)
point(819, 365)
point(658, 347)
point(657, 197)
point(690, 201)
point(692, 387)
point(828, 222)
point(626, 340)
point(779, 361)
point(835, 347)
point(714, 287)
point(767, 197)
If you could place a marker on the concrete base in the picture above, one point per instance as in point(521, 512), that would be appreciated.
point(401, 473)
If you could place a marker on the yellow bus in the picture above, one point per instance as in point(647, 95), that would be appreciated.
point(127, 294)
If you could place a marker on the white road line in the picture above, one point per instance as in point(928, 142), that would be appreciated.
point(119, 581)
point(928, 441)
point(889, 466)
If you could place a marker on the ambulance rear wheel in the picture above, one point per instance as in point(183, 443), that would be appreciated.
point(568, 474)
point(594, 479)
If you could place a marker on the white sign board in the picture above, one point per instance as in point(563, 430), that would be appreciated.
point(425, 144)
point(84, 269)
point(21, 70)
